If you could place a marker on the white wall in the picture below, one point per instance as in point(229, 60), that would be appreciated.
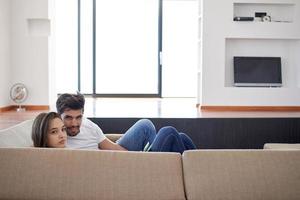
point(24, 57)
point(29, 48)
point(51, 56)
point(222, 38)
point(4, 52)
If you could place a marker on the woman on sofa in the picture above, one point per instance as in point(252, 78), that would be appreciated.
point(48, 130)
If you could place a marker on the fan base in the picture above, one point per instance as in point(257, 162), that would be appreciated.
point(21, 109)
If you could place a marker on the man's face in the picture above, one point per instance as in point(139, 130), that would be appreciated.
point(72, 120)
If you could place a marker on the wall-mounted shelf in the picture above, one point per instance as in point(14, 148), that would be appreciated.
point(264, 30)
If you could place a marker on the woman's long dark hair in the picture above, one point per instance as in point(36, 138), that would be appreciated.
point(40, 128)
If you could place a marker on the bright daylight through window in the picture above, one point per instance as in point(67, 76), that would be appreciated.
point(125, 41)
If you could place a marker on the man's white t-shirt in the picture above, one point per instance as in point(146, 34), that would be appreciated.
point(89, 137)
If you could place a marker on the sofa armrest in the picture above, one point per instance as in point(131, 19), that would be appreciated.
point(282, 146)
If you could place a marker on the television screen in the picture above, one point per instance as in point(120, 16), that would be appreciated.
point(257, 71)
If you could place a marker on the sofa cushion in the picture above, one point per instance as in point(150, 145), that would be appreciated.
point(20, 135)
point(242, 174)
point(17, 136)
point(34, 173)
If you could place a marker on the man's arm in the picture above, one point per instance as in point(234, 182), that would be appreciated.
point(106, 144)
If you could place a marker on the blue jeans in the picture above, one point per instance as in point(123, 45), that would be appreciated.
point(168, 139)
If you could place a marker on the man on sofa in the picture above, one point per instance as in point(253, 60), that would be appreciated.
point(83, 133)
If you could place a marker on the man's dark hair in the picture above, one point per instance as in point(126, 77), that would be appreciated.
point(70, 102)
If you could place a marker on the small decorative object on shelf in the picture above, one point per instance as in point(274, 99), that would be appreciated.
point(243, 18)
point(267, 11)
point(266, 18)
point(260, 14)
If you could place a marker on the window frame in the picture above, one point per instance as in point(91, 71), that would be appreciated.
point(159, 50)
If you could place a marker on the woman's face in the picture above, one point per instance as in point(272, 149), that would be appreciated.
point(56, 135)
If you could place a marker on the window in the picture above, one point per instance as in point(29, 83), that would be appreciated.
point(66, 45)
point(113, 47)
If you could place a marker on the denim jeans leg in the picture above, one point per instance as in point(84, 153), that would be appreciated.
point(137, 136)
point(168, 140)
point(187, 141)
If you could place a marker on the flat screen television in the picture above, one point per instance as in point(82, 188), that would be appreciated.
point(257, 71)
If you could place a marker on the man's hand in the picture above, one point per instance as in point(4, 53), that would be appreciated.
point(109, 145)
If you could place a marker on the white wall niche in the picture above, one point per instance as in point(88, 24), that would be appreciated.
point(287, 49)
point(279, 12)
point(38, 27)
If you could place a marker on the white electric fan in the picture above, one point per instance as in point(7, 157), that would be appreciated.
point(18, 94)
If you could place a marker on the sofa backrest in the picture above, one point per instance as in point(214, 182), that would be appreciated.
point(36, 173)
point(17, 136)
point(242, 174)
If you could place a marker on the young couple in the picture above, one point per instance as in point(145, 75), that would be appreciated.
point(68, 128)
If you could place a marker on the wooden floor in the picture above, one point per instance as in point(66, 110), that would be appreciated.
point(10, 118)
point(144, 108)
point(166, 108)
